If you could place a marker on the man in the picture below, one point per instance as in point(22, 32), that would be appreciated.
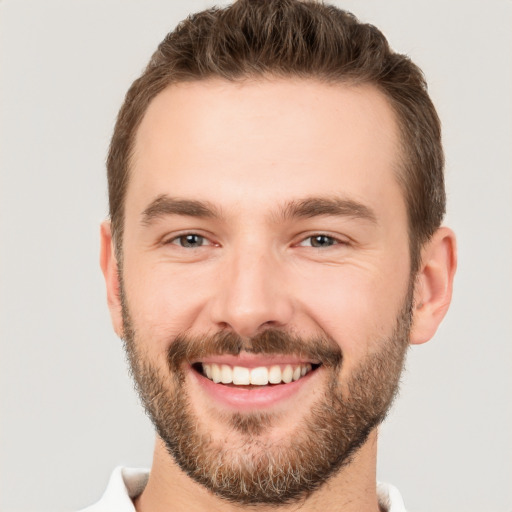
point(274, 245)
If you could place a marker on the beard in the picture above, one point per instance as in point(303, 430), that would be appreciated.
point(247, 467)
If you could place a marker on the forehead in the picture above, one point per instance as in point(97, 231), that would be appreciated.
point(271, 137)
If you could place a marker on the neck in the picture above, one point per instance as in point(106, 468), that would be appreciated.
point(353, 489)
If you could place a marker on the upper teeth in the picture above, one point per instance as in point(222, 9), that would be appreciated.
point(260, 376)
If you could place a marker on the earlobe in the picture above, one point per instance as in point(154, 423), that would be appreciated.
point(110, 269)
point(434, 284)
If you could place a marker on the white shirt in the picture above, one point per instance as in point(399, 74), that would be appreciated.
point(127, 483)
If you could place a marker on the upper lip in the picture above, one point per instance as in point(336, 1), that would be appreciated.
point(249, 360)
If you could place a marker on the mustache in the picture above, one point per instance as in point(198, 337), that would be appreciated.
point(190, 349)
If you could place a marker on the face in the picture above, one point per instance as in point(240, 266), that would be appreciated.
point(265, 279)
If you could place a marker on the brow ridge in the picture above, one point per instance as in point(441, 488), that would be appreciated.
point(335, 206)
point(165, 205)
point(309, 207)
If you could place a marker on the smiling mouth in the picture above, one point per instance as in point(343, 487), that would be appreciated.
point(258, 376)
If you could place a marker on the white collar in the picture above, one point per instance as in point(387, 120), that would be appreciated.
point(127, 483)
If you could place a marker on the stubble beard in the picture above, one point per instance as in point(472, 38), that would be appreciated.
point(247, 467)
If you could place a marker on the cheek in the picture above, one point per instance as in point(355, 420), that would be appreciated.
point(356, 306)
point(163, 301)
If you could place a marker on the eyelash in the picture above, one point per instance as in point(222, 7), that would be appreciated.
point(180, 241)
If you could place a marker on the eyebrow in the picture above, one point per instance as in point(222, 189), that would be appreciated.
point(309, 207)
point(333, 206)
point(164, 205)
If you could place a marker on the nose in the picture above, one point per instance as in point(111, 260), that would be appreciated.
point(252, 294)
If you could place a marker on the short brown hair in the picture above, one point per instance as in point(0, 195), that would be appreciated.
point(293, 38)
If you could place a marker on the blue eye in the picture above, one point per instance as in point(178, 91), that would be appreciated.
point(322, 241)
point(190, 241)
point(319, 241)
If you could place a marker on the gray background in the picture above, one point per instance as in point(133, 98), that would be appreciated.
point(68, 412)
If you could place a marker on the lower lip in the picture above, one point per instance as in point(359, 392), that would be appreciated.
point(252, 398)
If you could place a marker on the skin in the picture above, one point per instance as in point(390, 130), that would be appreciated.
point(249, 149)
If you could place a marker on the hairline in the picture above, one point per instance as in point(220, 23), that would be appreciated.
point(401, 164)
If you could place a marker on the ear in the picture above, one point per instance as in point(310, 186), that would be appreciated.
point(110, 269)
point(434, 284)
